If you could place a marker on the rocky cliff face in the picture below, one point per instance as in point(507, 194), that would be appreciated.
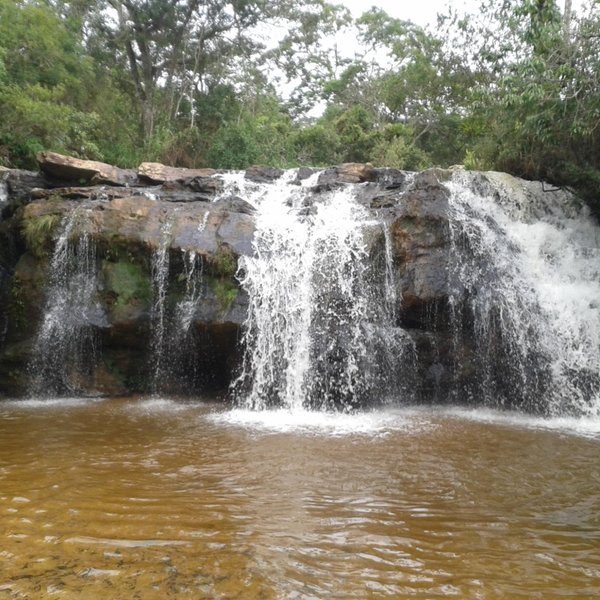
point(199, 226)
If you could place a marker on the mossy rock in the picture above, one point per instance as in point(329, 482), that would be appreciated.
point(226, 292)
point(223, 263)
point(24, 297)
point(38, 233)
point(127, 288)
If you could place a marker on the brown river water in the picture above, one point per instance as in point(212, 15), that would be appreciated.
point(155, 499)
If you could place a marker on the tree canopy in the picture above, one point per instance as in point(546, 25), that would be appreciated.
point(230, 83)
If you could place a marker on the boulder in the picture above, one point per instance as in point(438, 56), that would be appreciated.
point(263, 174)
point(16, 186)
point(192, 189)
point(157, 173)
point(234, 204)
point(392, 179)
point(67, 168)
point(304, 173)
point(346, 173)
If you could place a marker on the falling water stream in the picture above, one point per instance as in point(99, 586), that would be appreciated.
point(320, 330)
point(532, 273)
point(65, 347)
point(3, 194)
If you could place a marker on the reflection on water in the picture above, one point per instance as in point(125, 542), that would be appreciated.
point(164, 499)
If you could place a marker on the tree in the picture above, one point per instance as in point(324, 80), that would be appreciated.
point(539, 111)
point(45, 79)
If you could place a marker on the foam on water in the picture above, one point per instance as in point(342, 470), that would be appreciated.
point(406, 421)
point(159, 405)
point(54, 403)
point(581, 426)
point(285, 420)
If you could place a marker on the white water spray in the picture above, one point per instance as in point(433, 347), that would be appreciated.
point(533, 275)
point(65, 347)
point(316, 323)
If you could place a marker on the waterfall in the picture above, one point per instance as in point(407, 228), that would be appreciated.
point(531, 273)
point(186, 307)
point(478, 290)
point(183, 366)
point(318, 323)
point(3, 193)
point(158, 317)
point(65, 347)
point(173, 343)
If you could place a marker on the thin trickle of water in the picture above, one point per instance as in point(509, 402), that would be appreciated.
point(314, 330)
point(202, 225)
point(391, 288)
point(186, 307)
point(160, 281)
point(3, 193)
point(65, 347)
point(532, 278)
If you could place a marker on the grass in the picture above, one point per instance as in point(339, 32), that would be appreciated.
point(37, 233)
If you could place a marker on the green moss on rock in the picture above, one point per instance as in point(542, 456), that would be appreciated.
point(226, 291)
point(127, 284)
point(223, 263)
point(38, 232)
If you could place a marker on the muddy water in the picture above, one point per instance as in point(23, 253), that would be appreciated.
point(163, 499)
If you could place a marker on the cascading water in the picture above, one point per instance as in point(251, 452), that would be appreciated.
point(481, 290)
point(319, 333)
point(532, 277)
point(3, 194)
point(65, 348)
point(182, 366)
point(160, 281)
point(186, 307)
point(173, 344)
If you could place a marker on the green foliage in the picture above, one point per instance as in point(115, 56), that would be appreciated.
point(223, 263)
point(128, 284)
point(38, 233)
point(251, 142)
point(226, 292)
point(538, 114)
point(472, 162)
point(516, 87)
point(395, 148)
point(316, 145)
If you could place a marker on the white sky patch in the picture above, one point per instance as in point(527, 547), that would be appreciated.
point(424, 12)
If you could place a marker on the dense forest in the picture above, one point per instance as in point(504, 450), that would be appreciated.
point(228, 84)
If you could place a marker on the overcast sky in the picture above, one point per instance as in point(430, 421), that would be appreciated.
point(422, 12)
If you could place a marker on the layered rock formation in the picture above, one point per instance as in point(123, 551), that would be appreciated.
point(130, 218)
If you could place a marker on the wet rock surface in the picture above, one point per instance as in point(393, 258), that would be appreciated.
point(189, 215)
point(156, 173)
point(260, 174)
